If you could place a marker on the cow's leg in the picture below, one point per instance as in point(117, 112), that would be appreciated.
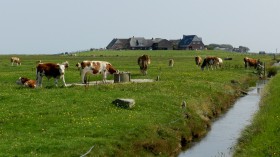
point(63, 79)
point(145, 72)
point(83, 73)
point(39, 80)
point(104, 77)
point(56, 81)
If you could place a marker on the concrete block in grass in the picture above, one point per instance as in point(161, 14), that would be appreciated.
point(124, 103)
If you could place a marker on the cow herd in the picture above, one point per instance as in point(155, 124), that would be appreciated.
point(57, 70)
point(212, 62)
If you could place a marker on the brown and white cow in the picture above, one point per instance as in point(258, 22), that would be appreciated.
point(171, 62)
point(50, 70)
point(251, 62)
point(209, 62)
point(26, 82)
point(143, 62)
point(95, 67)
point(15, 60)
point(198, 60)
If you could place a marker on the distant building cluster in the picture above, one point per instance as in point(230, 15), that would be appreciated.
point(188, 42)
point(227, 47)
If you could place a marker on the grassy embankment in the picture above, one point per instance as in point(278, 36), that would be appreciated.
point(56, 121)
point(262, 137)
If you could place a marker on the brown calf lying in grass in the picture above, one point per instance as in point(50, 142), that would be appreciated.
point(26, 82)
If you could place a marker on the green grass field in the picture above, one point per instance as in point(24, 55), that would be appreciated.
point(59, 121)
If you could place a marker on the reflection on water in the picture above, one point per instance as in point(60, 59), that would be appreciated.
point(226, 130)
point(260, 85)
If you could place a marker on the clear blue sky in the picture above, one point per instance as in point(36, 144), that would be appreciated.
point(54, 26)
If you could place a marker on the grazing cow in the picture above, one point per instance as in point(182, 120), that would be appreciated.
point(96, 67)
point(251, 62)
point(220, 62)
point(143, 62)
point(210, 62)
point(26, 82)
point(171, 62)
point(50, 70)
point(15, 60)
point(198, 60)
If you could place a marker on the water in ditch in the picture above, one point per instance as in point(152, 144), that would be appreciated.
point(220, 140)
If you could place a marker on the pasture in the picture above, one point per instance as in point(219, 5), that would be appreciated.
point(68, 121)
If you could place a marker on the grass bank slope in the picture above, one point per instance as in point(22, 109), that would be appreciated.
point(262, 137)
point(59, 121)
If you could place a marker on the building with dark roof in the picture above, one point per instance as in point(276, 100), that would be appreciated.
point(118, 44)
point(191, 42)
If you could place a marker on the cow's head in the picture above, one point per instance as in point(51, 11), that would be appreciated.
point(21, 80)
point(204, 63)
point(66, 64)
point(78, 65)
point(62, 68)
point(111, 69)
point(198, 60)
